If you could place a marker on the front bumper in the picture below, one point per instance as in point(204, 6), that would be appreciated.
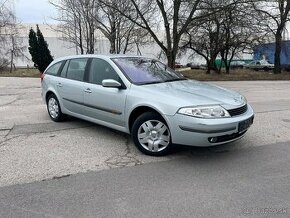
point(193, 131)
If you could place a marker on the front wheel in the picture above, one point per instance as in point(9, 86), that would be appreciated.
point(151, 134)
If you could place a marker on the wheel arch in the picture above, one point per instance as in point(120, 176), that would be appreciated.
point(54, 92)
point(136, 112)
point(48, 93)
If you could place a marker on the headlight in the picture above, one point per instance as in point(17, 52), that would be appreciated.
point(214, 111)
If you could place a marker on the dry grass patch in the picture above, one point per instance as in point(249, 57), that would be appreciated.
point(21, 73)
point(235, 75)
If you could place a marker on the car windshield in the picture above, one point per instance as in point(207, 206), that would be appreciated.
point(141, 71)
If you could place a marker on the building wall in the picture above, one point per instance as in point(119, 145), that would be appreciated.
point(60, 47)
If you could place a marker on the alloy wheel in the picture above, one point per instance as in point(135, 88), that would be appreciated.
point(154, 135)
point(53, 108)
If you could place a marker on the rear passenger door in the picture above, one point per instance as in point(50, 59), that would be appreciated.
point(71, 86)
point(52, 73)
point(102, 103)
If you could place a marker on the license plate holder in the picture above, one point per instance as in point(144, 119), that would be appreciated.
point(244, 125)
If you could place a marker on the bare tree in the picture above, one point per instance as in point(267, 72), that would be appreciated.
point(275, 15)
point(156, 16)
point(80, 19)
point(204, 36)
point(225, 28)
point(240, 31)
point(11, 43)
point(16, 47)
point(89, 9)
point(6, 22)
point(119, 30)
point(110, 24)
point(77, 23)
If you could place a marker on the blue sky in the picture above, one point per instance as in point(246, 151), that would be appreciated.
point(34, 11)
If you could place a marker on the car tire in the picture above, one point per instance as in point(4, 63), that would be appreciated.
point(266, 69)
point(151, 134)
point(53, 108)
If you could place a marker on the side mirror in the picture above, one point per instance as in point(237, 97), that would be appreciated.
point(111, 83)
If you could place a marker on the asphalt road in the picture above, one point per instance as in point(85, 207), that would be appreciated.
point(78, 169)
point(247, 183)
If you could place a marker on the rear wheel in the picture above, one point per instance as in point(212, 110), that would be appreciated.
point(151, 134)
point(53, 108)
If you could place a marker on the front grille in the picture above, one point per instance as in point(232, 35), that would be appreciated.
point(238, 111)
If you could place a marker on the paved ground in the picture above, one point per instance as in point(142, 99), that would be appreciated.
point(251, 182)
point(242, 178)
point(33, 148)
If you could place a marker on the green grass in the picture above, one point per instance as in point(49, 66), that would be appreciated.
point(21, 73)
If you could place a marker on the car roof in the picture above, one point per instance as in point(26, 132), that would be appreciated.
point(103, 56)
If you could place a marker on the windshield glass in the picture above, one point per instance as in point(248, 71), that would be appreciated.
point(142, 71)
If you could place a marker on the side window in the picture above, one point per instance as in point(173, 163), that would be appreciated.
point(64, 70)
point(53, 70)
point(76, 69)
point(101, 70)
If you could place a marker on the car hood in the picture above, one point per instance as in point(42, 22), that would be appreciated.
point(191, 92)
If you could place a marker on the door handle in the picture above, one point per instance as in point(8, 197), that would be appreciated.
point(88, 90)
point(59, 84)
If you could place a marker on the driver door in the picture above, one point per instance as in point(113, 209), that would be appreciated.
point(102, 103)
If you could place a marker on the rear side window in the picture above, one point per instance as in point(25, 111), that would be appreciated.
point(53, 70)
point(100, 70)
point(64, 70)
point(76, 69)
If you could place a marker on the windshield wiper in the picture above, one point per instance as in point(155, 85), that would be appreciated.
point(177, 79)
point(149, 83)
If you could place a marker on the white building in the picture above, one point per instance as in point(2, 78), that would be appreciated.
point(59, 47)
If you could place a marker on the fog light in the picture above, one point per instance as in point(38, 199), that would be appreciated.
point(212, 139)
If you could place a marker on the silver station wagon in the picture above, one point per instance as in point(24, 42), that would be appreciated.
point(143, 97)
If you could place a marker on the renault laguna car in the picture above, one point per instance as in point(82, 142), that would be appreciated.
point(143, 97)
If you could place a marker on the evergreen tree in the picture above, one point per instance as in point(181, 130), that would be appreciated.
point(38, 49)
point(33, 47)
point(45, 57)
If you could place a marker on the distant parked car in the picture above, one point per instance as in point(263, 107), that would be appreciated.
point(145, 98)
point(178, 65)
point(189, 64)
point(237, 64)
point(193, 66)
point(260, 65)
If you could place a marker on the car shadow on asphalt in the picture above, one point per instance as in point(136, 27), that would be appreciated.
point(176, 150)
point(195, 151)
